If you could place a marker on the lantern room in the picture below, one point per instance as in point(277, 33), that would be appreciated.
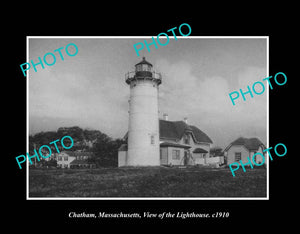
point(143, 68)
point(143, 71)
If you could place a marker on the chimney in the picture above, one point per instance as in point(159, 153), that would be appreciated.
point(165, 117)
point(185, 119)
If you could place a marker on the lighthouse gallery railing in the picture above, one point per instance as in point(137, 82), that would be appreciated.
point(132, 75)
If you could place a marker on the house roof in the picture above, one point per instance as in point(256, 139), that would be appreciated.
point(252, 144)
point(175, 130)
point(200, 150)
point(79, 153)
point(171, 144)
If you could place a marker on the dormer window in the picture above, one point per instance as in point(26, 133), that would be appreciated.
point(186, 139)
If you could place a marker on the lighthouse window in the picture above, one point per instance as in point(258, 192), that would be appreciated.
point(152, 140)
point(139, 67)
point(145, 67)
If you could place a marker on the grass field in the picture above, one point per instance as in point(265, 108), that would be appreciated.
point(147, 182)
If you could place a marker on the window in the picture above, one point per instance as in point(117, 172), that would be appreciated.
point(139, 68)
point(59, 158)
point(186, 139)
point(145, 67)
point(176, 154)
point(238, 156)
point(152, 139)
point(65, 158)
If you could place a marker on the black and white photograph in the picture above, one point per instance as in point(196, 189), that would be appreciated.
point(186, 120)
point(119, 118)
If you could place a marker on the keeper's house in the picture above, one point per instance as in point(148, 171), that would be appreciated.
point(180, 144)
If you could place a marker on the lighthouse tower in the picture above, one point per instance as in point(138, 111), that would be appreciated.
point(143, 132)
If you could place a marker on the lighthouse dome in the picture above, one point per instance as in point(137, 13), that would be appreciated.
point(144, 61)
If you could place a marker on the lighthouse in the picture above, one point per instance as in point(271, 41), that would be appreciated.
point(143, 130)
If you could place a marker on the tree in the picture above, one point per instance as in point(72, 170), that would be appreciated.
point(50, 163)
point(106, 151)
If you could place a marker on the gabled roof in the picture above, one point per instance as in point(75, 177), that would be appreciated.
point(175, 131)
point(252, 144)
point(200, 136)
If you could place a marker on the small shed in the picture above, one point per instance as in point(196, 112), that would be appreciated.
point(122, 155)
point(242, 148)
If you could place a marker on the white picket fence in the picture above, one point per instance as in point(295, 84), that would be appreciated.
point(219, 159)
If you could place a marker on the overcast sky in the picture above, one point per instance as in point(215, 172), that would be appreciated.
point(89, 90)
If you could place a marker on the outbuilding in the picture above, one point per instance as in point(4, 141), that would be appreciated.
point(242, 148)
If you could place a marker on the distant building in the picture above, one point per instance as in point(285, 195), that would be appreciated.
point(74, 159)
point(242, 148)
